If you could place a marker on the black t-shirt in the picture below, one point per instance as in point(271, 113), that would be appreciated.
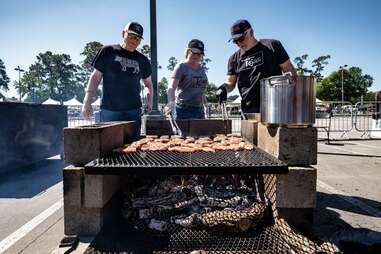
point(261, 61)
point(122, 71)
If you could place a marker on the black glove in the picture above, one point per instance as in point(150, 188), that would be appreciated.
point(222, 94)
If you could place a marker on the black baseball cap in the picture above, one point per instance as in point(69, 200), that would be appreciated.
point(134, 28)
point(196, 46)
point(239, 28)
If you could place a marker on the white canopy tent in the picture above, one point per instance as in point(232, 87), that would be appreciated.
point(72, 102)
point(51, 102)
point(97, 102)
point(237, 101)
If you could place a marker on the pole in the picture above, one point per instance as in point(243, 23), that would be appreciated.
point(342, 86)
point(19, 70)
point(154, 55)
point(342, 82)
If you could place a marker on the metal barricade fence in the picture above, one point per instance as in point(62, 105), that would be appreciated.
point(76, 119)
point(331, 116)
point(368, 117)
point(334, 116)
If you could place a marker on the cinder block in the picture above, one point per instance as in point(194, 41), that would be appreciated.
point(86, 143)
point(163, 127)
point(249, 131)
point(297, 189)
point(72, 186)
point(296, 146)
point(99, 189)
point(201, 127)
point(83, 221)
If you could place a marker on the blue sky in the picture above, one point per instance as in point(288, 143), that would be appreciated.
point(347, 30)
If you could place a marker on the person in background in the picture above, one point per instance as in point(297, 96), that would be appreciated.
point(121, 67)
point(254, 60)
point(186, 92)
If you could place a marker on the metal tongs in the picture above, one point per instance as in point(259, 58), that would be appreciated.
point(175, 128)
point(224, 115)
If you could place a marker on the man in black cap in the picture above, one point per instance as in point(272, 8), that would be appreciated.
point(255, 60)
point(121, 67)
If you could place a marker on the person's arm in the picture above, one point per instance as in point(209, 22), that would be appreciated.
point(94, 81)
point(171, 95)
point(230, 82)
point(288, 67)
point(148, 84)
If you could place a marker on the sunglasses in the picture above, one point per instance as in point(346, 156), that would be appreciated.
point(134, 37)
point(240, 39)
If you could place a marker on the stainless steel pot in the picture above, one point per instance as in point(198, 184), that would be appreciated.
point(305, 100)
point(284, 102)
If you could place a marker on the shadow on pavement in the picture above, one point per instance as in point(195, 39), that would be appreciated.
point(31, 180)
point(329, 224)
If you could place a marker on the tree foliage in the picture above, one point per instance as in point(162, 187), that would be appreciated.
point(355, 85)
point(4, 79)
point(89, 52)
point(211, 93)
point(300, 61)
point(52, 75)
point(162, 87)
point(172, 61)
point(318, 65)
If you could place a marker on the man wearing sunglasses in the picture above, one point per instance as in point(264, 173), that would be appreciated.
point(254, 60)
point(121, 67)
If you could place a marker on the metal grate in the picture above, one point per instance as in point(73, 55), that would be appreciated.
point(123, 240)
point(172, 163)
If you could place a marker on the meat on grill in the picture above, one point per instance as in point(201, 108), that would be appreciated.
point(220, 142)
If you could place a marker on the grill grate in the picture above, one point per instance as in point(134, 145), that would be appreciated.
point(169, 163)
point(122, 240)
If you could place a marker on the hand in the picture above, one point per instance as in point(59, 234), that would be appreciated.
point(87, 110)
point(149, 107)
point(222, 94)
point(170, 107)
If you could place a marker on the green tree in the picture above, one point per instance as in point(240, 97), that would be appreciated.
point(4, 79)
point(319, 64)
point(354, 81)
point(89, 52)
point(204, 62)
point(299, 62)
point(172, 63)
point(211, 93)
point(163, 86)
point(52, 75)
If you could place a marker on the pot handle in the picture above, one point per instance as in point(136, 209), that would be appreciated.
point(279, 81)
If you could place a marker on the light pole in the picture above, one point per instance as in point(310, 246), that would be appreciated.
point(19, 70)
point(342, 82)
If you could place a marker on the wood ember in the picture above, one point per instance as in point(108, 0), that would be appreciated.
point(220, 142)
point(220, 202)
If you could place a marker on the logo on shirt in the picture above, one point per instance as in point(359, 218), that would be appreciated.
point(128, 63)
point(252, 61)
point(198, 82)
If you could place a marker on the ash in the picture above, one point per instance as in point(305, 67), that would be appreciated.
point(218, 203)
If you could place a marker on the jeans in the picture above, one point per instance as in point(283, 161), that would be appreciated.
point(129, 115)
point(187, 112)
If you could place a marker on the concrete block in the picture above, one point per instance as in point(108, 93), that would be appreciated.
point(99, 189)
point(297, 189)
point(72, 186)
point(86, 143)
point(249, 131)
point(205, 127)
point(296, 146)
point(163, 127)
point(83, 221)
